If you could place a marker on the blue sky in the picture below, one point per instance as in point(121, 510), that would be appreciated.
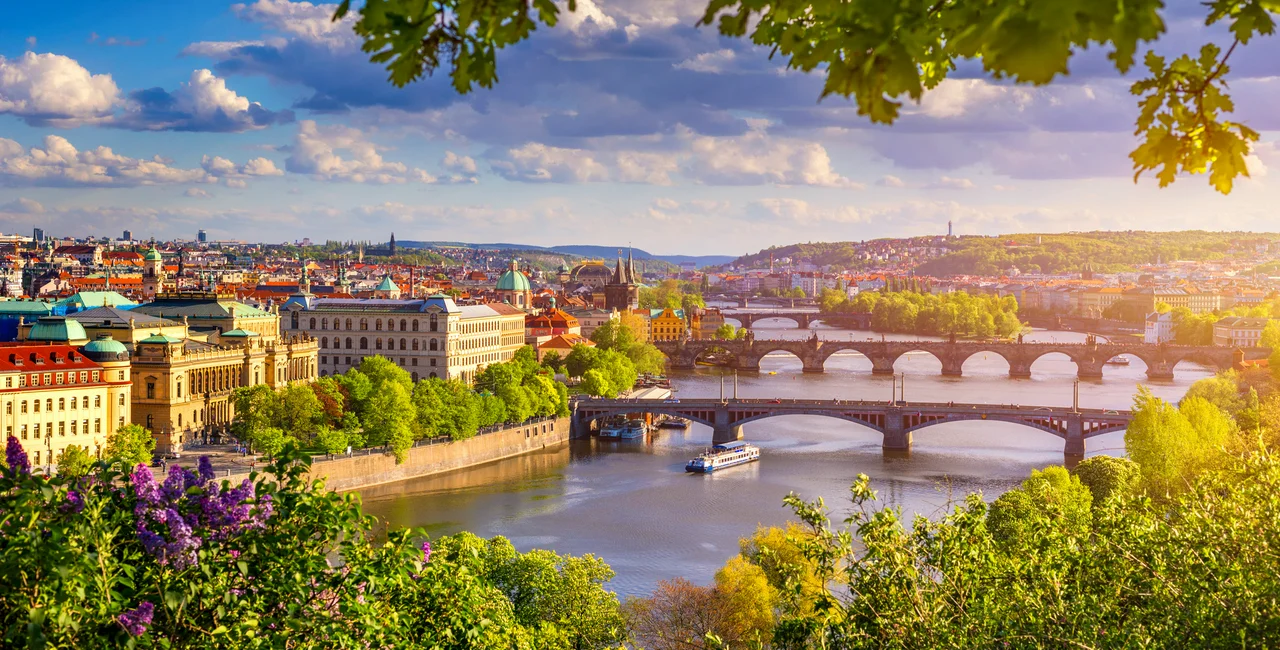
point(263, 121)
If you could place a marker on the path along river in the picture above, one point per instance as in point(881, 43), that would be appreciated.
point(632, 504)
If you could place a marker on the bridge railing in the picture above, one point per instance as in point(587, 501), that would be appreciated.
point(597, 403)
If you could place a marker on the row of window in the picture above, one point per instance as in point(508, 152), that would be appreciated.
point(53, 378)
point(77, 427)
point(433, 324)
point(363, 342)
point(339, 360)
point(62, 404)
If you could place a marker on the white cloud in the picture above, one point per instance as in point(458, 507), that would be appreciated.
point(23, 205)
point(195, 192)
point(203, 103)
point(542, 163)
point(306, 21)
point(758, 158)
point(458, 164)
point(957, 97)
point(319, 150)
point(709, 62)
point(588, 21)
point(217, 49)
point(236, 176)
point(51, 89)
point(31, 42)
point(802, 212)
point(949, 183)
point(890, 181)
point(59, 163)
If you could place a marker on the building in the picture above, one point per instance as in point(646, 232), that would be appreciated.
point(514, 288)
point(431, 337)
point(127, 235)
point(154, 278)
point(37, 235)
point(704, 323)
point(1159, 328)
point(622, 292)
point(588, 319)
point(57, 394)
point(386, 290)
point(1238, 332)
point(666, 325)
point(183, 380)
point(202, 237)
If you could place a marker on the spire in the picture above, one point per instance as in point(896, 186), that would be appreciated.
point(618, 277)
point(631, 267)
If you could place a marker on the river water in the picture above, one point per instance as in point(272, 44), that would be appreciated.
point(631, 502)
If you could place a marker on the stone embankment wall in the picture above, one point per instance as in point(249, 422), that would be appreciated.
point(344, 473)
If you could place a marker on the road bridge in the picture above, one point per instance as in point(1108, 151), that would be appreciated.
point(802, 319)
point(895, 421)
point(1088, 357)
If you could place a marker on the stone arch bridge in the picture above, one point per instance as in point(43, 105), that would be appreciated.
point(1088, 357)
point(895, 421)
point(802, 319)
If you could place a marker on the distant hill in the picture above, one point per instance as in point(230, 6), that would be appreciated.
point(595, 252)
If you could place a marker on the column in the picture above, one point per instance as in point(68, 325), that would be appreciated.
point(897, 439)
point(1074, 449)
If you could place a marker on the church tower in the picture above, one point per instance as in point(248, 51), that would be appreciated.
point(392, 244)
point(621, 292)
point(153, 275)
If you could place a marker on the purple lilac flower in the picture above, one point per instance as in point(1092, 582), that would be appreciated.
point(177, 483)
point(16, 457)
point(426, 551)
point(74, 502)
point(145, 488)
point(135, 621)
point(205, 468)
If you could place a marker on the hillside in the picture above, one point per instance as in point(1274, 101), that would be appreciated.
point(585, 251)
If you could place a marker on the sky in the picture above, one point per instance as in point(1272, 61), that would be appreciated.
point(624, 124)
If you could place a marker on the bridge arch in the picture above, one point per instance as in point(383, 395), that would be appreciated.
point(706, 417)
point(979, 354)
point(869, 422)
point(919, 353)
point(1044, 360)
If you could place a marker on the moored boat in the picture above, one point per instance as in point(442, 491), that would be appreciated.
point(673, 423)
point(722, 456)
point(613, 428)
point(1118, 361)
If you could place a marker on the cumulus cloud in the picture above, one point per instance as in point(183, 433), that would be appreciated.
point(541, 163)
point(22, 205)
point(588, 21)
point(341, 153)
point(758, 158)
point(236, 176)
point(306, 21)
point(58, 163)
point(802, 212)
point(55, 90)
point(197, 193)
point(203, 103)
point(711, 62)
point(890, 181)
point(949, 183)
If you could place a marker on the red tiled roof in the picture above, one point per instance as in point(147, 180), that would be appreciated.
point(27, 357)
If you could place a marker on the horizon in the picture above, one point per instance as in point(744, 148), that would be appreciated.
point(265, 117)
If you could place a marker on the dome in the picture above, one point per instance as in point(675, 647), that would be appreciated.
point(514, 280)
point(57, 329)
point(387, 285)
point(105, 348)
point(153, 255)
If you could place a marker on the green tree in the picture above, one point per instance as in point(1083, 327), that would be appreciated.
point(581, 359)
point(749, 600)
point(331, 440)
point(131, 444)
point(74, 461)
point(1221, 390)
point(1271, 339)
point(594, 382)
point(1052, 497)
point(553, 361)
point(299, 411)
point(270, 441)
point(1172, 445)
point(1108, 477)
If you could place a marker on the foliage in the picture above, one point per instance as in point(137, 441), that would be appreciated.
point(617, 374)
point(74, 461)
point(1173, 445)
point(736, 611)
point(673, 294)
point(622, 337)
point(131, 444)
point(778, 552)
point(184, 561)
point(331, 440)
point(1049, 497)
point(957, 313)
point(595, 383)
point(1108, 477)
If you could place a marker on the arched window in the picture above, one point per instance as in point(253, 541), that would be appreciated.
point(433, 376)
point(377, 344)
point(151, 421)
point(377, 325)
point(404, 325)
point(434, 323)
point(179, 419)
point(179, 388)
point(364, 343)
point(324, 341)
point(313, 324)
point(434, 345)
point(391, 324)
point(415, 324)
point(348, 342)
point(364, 324)
point(415, 343)
point(324, 323)
point(415, 376)
point(348, 325)
point(151, 389)
point(293, 320)
point(404, 344)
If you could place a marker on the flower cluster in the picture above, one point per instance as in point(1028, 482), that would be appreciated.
point(135, 621)
point(179, 516)
point(16, 457)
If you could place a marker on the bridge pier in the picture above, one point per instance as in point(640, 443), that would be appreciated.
point(1020, 371)
point(952, 367)
point(813, 366)
point(1074, 449)
point(1089, 369)
point(881, 365)
point(579, 427)
point(1160, 371)
point(896, 437)
point(724, 430)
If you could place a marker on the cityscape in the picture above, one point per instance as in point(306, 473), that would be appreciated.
point(578, 325)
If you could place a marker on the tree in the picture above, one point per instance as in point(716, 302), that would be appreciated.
point(1173, 445)
point(131, 444)
point(749, 601)
point(581, 359)
point(677, 616)
point(256, 408)
point(595, 383)
point(300, 411)
point(1221, 390)
point(388, 420)
point(553, 361)
point(779, 552)
point(331, 440)
point(74, 461)
point(725, 332)
point(269, 441)
point(1108, 477)
point(1049, 497)
point(1271, 339)
point(613, 335)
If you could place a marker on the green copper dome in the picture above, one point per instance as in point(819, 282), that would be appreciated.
point(153, 255)
point(57, 329)
point(387, 285)
point(105, 348)
point(514, 280)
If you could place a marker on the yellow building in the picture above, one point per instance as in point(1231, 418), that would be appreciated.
point(56, 395)
point(667, 325)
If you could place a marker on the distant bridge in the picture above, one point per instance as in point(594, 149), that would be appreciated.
point(1088, 357)
point(745, 301)
point(895, 421)
point(802, 319)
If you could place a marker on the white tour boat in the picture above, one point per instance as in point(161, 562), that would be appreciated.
point(722, 456)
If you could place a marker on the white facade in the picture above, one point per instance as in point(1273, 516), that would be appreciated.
point(1159, 328)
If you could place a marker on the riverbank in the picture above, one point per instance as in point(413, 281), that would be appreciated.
point(367, 468)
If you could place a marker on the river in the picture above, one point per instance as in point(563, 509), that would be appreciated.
point(631, 503)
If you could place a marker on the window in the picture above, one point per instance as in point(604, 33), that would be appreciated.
point(364, 343)
point(348, 323)
point(403, 343)
point(73, 427)
point(348, 342)
point(324, 323)
point(24, 406)
point(434, 323)
point(377, 344)
point(73, 404)
point(62, 428)
point(433, 362)
point(415, 342)
point(179, 387)
point(434, 345)
point(58, 377)
point(84, 376)
point(62, 404)
point(24, 432)
point(415, 361)
point(22, 381)
point(48, 379)
point(121, 399)
point(415, 324)
point(179, 419)
point(151, 421)
point(313, 324)
point(97, 425)
point(324, 342)
point(364, 324)
point(151, 389)
point(377, 325)
point(404, 325)
point(391, 325)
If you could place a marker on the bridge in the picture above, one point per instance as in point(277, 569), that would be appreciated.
point(745, 300)
point(895, 421)
point(1088, 357)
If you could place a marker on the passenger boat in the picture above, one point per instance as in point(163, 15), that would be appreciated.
point(612, 428)
point(1118, 361)
point(722, 456)
point(623, 429)
point(673, 423)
